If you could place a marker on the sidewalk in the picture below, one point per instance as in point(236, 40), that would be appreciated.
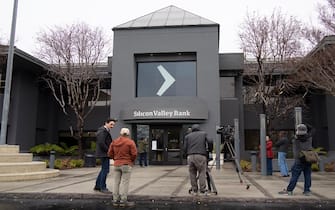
point(171, 183)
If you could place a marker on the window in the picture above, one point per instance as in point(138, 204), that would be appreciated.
point(227, 87)
point(175, 78)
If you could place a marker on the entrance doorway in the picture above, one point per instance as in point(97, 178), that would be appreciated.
point(166, 145)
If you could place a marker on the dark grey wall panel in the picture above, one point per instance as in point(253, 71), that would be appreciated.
point(203, 41)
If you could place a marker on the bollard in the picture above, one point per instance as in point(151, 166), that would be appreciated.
point(253, 161)
point(52, 159)
point(322, 163)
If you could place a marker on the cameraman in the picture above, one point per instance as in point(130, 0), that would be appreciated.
point(195, 147)
point(302, 141)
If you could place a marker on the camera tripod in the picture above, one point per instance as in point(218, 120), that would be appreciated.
point(237, 164)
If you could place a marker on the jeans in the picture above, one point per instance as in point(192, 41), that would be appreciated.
point(297, 168)
point(100, 182)
point(121, 182)
point(269, 166)
point(282, 163)
point(143, 159)
point(197, 164)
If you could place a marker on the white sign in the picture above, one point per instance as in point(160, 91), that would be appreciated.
point(169, 80)
point(154, 145)
point(162, 113)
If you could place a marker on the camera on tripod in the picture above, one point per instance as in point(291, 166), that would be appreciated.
point(226, 131)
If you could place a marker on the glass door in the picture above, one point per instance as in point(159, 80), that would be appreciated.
point(165, 145)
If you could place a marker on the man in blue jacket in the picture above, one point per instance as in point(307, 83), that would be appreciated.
point(195, 147)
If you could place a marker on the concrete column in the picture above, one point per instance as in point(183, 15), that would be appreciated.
point(237, 140)
point(298, 115)
point(263, 143)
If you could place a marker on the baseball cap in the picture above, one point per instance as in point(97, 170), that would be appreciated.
point(301, 130)
point(124, 131)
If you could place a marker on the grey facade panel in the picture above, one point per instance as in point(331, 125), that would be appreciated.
point(330, 101)
point(203, 41)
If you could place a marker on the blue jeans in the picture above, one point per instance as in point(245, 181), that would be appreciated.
point(282, 163)
point(297, 168)
point(100, 183)
point(143, 159)
point(269, 166)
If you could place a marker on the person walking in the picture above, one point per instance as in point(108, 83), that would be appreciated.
point(143, 150)
point(123, 151)
point(282, 144)
point(104, 139)
point(302, 141)
point(195, 147)
point(269, 156)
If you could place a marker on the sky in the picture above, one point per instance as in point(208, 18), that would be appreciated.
point(36, 15)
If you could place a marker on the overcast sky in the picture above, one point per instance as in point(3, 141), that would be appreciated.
point(34, 15)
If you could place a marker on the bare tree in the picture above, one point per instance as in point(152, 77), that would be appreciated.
point(317, 70)
point(270, 44)
point(326, 16)
point(73, 52)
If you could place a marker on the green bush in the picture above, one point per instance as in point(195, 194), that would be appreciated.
point(63, 149)
point(44, 149)
point(245, 165)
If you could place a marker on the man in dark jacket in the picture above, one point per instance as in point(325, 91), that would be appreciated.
point(195, 147)
point(302, 141)
point(104, 139)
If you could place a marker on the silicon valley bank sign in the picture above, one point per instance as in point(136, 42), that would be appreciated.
point(162, 114)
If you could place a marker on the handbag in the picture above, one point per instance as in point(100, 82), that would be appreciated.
point(310, 156)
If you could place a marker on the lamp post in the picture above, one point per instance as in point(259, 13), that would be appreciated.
point(9, 70)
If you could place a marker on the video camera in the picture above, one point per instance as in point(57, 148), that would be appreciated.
point(226, 131)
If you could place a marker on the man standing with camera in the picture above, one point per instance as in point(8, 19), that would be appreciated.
point(302, 141)
point(195, 147)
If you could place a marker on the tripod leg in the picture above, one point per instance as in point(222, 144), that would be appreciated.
point(237, 164)
point(208, 181)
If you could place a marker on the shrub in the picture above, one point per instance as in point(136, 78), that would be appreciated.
point(330, 167)
point(245, 165)
point(63, 149)
point(44, 149)
point(68, 163)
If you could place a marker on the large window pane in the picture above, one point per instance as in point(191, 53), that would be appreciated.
point(151, 77)
point(227, 87)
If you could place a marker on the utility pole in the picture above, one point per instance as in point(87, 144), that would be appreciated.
point(9, 71)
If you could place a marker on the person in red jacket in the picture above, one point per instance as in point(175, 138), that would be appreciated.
point(123, 151)
point(269, 156)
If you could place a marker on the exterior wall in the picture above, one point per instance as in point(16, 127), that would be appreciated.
point(23, 110)
point(330, 101)
point(201, 40)
point(47, 119)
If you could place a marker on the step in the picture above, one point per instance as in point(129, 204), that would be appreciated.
point(22, 167)
point(16, 157)
point(5, 148)
point(47, 173)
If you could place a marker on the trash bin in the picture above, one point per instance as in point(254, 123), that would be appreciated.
point(89, 160)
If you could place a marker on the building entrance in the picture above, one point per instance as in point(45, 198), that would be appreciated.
point(166, 145)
